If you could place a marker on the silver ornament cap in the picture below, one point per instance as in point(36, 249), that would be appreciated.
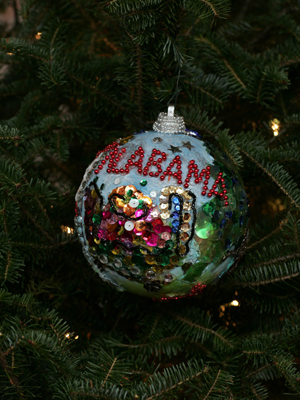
point(169, 123)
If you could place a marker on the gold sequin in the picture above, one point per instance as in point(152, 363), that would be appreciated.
point(157, 260)
point(127, 261)
point(150, 260)
point(174, 260)
point(165, 191)
point(147, 200)
point(187, 206)
point(179, 190)
point(186, 196)
point(116, 251)
point(120, 190)
point(187, 217)
point(119, 202)
point(182, 249)
point(172, 189)
point(97, 241)
point(140, 225)
point(165, 215)
point(128, 210)
point(94, 194)
point(184, 236)
point(158, 269)
point(185, 227)
point(130, 187)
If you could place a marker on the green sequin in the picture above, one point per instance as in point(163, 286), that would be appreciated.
point(97, 219)
point(143, 182)
point(209, 208)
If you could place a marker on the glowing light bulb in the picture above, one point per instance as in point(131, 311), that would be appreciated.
point(76, 337)
point(275, 133)
point(38, 35)
point(234, 303)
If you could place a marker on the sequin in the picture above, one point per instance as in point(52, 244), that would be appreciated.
point(134, 203)
point(157, 260)
point(143, 182)
point(163, 199)
point(158, 269)
point(155, 213)
point(152, 241)
point(149, 260)
point(127, 260)
point(157, 140)
point(97, 241)
point(129, 225)
point(184, 236)
point(186, 196)
point(153, 194)
point(186, 217)
point(179, 190)
point(117, 181)
point(177, 208)
point(158, 229)
point(135, 270)
point(128, 210)
point(172, 189)
point(139, 225)
point(116, 251)
point(96, 219)
point(182, 249)
point(139, 213)
point(130, 187)
point(175, 214)
point(187, 206)
point(166, 236)
point(120, 190)
point(161, 243)
point(163, 206)
point(168, 278)
point(118, 263)
point(165, 215)
point(175, 223)
point(175, 200)
point(174, 260)
point(185, 227)
point(103, 259)
point(150, 274)
point(119, 202)
point(94, 194)
point(165, 191)
point(147, 200)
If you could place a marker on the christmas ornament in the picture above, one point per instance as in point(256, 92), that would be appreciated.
point(161, 213)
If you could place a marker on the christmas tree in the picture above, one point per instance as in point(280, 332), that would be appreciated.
point(74, 77)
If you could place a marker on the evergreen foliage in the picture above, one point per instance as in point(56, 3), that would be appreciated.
point(75, 75)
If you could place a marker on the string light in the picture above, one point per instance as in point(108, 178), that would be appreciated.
point(234, 303)
point(76, 337)
point(38, 35)
point(275, 125)
point(67, 335)
point(67, 229)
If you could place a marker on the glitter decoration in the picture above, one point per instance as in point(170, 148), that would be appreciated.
point(162, 214)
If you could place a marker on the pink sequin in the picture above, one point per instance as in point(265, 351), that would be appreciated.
point(152, 241)
point(158, 228)
point(106, 214)
point(138, 233)
point(167, 228)
point(139, 213)
point(166, 235)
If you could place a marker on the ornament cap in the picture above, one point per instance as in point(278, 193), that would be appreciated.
point(169, 122)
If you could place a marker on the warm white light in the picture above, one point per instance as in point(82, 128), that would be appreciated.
point(275, 133)
point(234, 303)
point(67, 229)
point(67, 335)
point(76, 337)
point(275, 127)
point(38, 35)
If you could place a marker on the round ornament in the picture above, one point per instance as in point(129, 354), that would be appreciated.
point(161, 213)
